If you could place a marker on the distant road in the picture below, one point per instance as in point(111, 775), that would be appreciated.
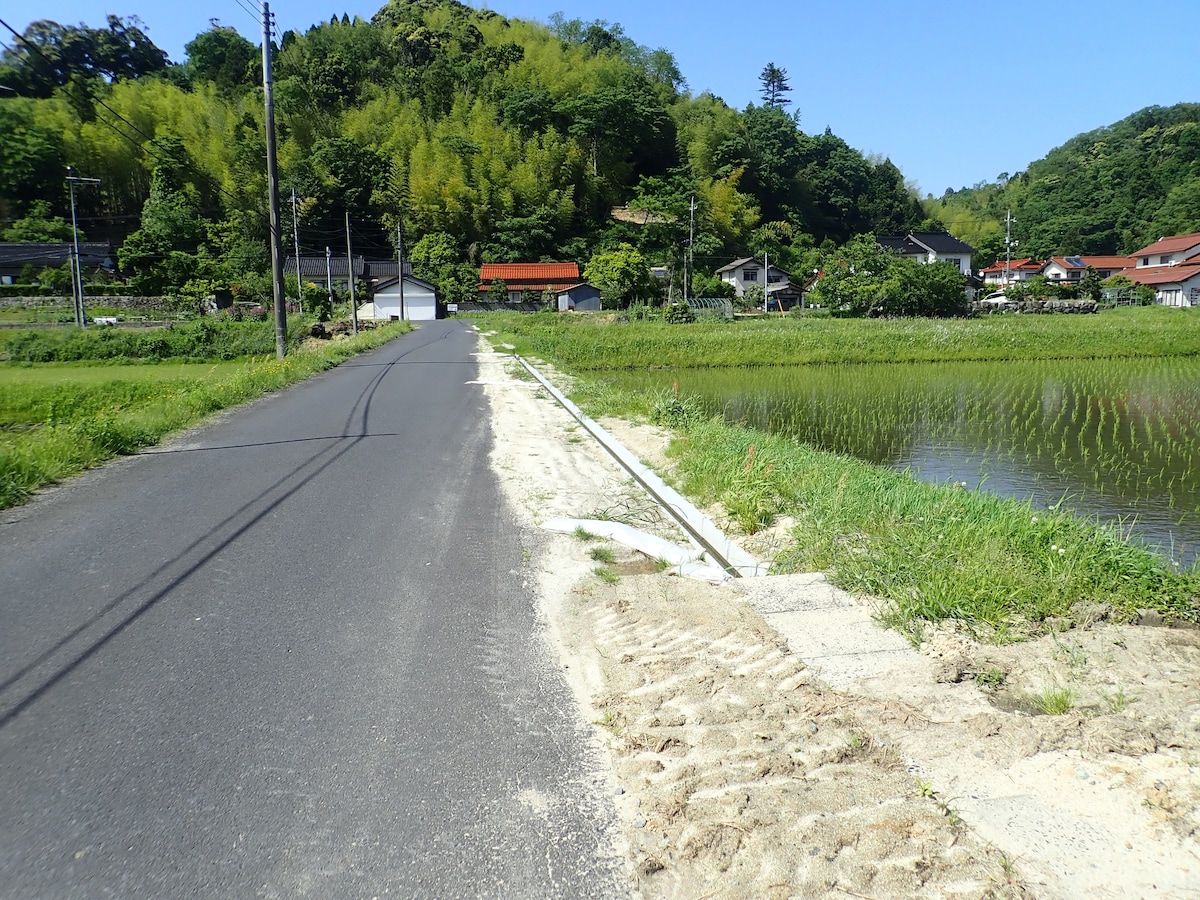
point(291, 655)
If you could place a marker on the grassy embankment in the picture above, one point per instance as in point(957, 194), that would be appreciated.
point(59, 418)
point(930, 552)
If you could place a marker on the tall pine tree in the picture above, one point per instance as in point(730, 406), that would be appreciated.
point(774, 86)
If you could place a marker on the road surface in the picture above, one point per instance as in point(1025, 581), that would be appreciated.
point(291, 654)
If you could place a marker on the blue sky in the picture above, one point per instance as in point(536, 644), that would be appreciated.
point(953, 92)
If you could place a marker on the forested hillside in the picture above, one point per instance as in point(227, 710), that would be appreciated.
point(486, 138)
point(1109, 191)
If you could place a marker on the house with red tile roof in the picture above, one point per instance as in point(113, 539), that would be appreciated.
point(1072, 268)
point(1016, 269)
point(534, 277)
point(1169, 251)
point(1174, 285)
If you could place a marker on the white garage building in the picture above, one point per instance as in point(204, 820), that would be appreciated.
point(420, 301)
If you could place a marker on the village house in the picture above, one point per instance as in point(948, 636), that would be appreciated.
point(16, 257)
point(932, 247)
point(748, 271)
point(1169, 251)
point(417, 303)
point(1171, 266)
point(534, 278)
point(1072, 268)
point(1174, 285)
point(1002, 274)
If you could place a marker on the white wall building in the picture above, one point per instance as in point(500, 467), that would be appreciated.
point(744, 273)
point(420, 301)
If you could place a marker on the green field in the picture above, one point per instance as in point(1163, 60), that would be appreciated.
point(925, 551)
point(589, 342)
point(57, 419)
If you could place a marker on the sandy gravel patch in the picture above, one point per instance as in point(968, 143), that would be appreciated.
point(749, 765)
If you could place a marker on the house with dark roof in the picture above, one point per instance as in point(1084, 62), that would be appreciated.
point(533, 277)
point(371, 271)
point(931, 247)
point(748, 271)
point(317, 270)
point(14, 257)
point(415, 301)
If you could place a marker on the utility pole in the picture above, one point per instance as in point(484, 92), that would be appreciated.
point(329, 276)
point(350, 269)
point(1008, 243)
point(400, 262)
point(296, 243)
point(273, 192)
point(690, 262)
point(76, 262)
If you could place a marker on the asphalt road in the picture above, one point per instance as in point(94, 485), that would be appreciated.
point(292, 655)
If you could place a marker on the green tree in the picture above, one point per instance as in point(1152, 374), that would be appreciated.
point(498, 291)
point(31, 156)
point(774, 82)
point(162, 254)
point(1091, 285)
point(50, 55)
point(622, 275)
point(855, 278)
point(38, 226)
point(916, 289)
point(225, 58)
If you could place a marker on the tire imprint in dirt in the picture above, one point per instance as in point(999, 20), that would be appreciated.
point(745, 777)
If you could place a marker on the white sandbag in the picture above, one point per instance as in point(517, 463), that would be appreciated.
point(652, 546)
point(711, 574)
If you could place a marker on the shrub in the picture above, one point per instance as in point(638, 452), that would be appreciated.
point(678, 313)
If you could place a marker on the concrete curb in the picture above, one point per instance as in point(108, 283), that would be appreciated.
point(696, 524)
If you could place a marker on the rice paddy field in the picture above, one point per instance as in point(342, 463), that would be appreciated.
point(1014, 473)
point(1115, 439)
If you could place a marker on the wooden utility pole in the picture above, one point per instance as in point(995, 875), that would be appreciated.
point(273, 192)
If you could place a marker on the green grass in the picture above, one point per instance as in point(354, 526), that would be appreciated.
point(604, 555)
point(57, 420)
point(1054, 701)
point(202, 340)
point(928, 552)
point(607, 575)
point(587, 343)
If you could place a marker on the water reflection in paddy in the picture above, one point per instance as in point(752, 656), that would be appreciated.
point(1115, 439)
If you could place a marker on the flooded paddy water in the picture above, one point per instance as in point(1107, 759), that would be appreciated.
point(1117, 440)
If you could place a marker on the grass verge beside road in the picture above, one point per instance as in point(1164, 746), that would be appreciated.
point(57, 420)
point(928, 552)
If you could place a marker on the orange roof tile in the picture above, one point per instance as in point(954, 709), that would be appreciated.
point(1152, 275)
point(1171, 244)
point(1027, 263)
point(529, 271)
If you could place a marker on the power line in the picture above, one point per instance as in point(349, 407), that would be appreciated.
point(252, 13)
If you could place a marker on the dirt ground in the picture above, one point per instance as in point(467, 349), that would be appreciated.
point(1068, 766)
